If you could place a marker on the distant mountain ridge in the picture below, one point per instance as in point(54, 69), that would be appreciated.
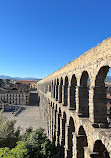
point(108, 78)
point(19, 78)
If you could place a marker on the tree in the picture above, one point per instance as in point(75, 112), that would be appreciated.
point(1, 82)
point(8, 135)
point(32, 144)
point(4, 152)
point(13, 88)
point(38, 145)
point(19, 151)
point(7, 81)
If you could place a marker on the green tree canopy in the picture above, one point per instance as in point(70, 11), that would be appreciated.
point(1, 82)
point(13, 88)
point(8, 135)
point(7, 81)
point(32, 144)
point(38, 145)
point(19, 151)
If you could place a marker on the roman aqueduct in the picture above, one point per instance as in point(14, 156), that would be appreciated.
point(73, 103)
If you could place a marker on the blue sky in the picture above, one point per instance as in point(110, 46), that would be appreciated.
point(37, 37)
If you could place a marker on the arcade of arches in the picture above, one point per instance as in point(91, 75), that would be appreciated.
point(73, 104)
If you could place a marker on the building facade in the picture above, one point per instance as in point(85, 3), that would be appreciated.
point(14, 97)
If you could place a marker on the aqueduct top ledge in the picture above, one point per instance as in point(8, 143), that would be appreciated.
point(90, 57)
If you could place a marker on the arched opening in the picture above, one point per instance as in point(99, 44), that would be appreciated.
point(100, 101)
point(52, 121)
point(55, 126)
point(58, 132)
point(100, 150)
point(81, 142)
point(54, 87)
point(84, 95)
point(48, 117)
point(57, 89)
point(71, 129)
point(73, 92)
point(63, 135)
point(49, 86)
point(66, 91)
point(60, 90)
point(108, 96)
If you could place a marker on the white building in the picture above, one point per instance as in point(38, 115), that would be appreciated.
point(16, 97)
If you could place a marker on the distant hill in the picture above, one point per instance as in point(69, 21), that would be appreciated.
point(108, 78)
point(19, 78)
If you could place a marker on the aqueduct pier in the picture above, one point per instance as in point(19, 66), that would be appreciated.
point(74, 109)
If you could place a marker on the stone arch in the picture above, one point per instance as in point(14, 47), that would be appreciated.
point(47, 119)
point(57, 84)
point(60, 90)
point(84, 95)
point(63, 135)
point(100, 108)
point(73, 93)
point(81, 142)
point(58, 129)
point(49, 116)
point(103, 63)
point(53, 105)
point(71, 129)
point(52, 82)
point(52, 123)
point(100, 150)
point(66, 83)
point(81, 131)
point(50, 119)
point(56, 107)
point(54, 88)
point(55, 123)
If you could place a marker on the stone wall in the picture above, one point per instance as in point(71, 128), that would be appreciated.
point(74, 109)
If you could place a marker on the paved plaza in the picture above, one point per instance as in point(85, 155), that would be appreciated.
point(29, 116)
